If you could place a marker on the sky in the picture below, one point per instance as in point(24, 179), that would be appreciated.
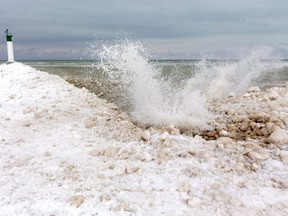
point(63, 29)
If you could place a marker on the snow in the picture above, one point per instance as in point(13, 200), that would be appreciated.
point(60, 143)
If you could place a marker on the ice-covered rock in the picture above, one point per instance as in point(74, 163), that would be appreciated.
point(111, 151)
point(90, 122)
point(76, 200)
point(194, 202)
point(272, 94)
point(279, 136)
point(284, 157)
point(145, 135)
point(257, 156)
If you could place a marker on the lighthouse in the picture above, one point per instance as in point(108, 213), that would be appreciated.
point(10, 53)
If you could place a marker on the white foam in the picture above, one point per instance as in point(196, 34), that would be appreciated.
point(218, 80)
point(154, 100)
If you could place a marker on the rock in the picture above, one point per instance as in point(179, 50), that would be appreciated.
point(120, 170)
point(257, 156)
point(122, 116)
point(174, 130)
point(224, 140)
point(27, 110)
point(145, 135)
point(194, 202)
point(232, 94)
point(47, 153)
point(124, 207)
point(279, 136)
point(184, 187)
point(96, 152)
point(90, 123)
point(253, 89)
point(270, 127)
point(111, 151)
point(272, 94)
point(238, 118)
point(164, 136)
point(246, 95)
point(244, 126)
point(76, 200)
point(255, 125)
point(129, 169)
point(124, 156)
point(239, 166)
point(206, 154)
point(252, 146)
point(166, 143)
point(224, 133)
point(26, 123)
point(261, 117)
point(284, 157)
point(105, 198)
point(163, 157)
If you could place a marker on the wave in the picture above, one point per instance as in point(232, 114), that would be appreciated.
point(156, 100)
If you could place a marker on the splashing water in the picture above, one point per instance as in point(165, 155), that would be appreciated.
point(218, 81)
point(154, 101)
point(157, 101)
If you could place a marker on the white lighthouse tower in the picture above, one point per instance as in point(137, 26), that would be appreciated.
point(10, 52)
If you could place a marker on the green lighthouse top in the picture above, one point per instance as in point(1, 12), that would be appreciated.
point(9, 36)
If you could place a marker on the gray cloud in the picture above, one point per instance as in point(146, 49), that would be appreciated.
point(61, 29)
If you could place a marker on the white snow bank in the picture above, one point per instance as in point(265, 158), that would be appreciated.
point(61, 154)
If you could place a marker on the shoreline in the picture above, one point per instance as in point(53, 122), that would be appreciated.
point(65, 151)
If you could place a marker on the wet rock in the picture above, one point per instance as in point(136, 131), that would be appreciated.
point(76, 200)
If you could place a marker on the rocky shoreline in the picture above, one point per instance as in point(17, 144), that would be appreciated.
point(64, 151)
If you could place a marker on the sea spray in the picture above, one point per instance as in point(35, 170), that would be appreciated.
point(217, 80)
point(153, 99)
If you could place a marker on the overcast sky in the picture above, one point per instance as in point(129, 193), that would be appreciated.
point(62, 29)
